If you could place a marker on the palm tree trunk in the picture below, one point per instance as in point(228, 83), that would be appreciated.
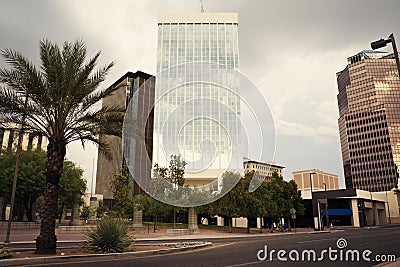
point(47, 240)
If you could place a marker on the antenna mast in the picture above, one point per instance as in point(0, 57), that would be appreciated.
point(201, 6)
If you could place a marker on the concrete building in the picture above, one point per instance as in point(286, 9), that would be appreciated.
point(320, 180)
point(192, 50)
point(392, 204)
point(369, 115)
point(263, 170)
point(346, 207)
point(9, 139)
point(106, 168)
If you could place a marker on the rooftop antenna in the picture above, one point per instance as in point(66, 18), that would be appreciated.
point(201, 6)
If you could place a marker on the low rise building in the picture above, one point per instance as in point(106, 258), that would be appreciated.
point(343, 207)
point(263, 170)
point(318, 179)
point(9, 139)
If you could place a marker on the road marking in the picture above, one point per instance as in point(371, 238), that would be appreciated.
point(132, 258)
point(366, 243)
point(245, 264)
point(317, 240)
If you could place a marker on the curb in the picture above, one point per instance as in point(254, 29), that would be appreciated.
point(97, 257)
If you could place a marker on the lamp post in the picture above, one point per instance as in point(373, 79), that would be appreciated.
point(312, 199)
point(14, 188)
point(15, 179)
point(382, 43)
point(373, 210)
point(311, 184)
point(326, 209)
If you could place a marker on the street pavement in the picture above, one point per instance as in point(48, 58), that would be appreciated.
point(25, 239)
point(239, 251)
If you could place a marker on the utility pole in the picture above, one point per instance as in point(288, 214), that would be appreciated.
point(19, 151)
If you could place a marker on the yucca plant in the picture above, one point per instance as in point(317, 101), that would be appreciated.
point(110, 235)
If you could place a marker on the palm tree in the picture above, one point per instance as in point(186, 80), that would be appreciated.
point(57, 101)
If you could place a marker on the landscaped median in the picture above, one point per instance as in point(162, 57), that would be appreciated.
point(169, 248)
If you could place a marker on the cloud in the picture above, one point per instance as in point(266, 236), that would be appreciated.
point(320, 134)
point(291, 49)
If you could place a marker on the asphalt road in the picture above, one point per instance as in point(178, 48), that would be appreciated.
point(243, 252)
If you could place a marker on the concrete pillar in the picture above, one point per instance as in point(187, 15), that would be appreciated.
point(220, 221)
point(8, 211)
point(354, 209)
point(75, 216)
point(376, 214)
point(192, 221)
point(137, 218)
point(94, 204)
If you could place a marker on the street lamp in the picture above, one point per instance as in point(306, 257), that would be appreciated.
point(382, 43)
point(312, 198)
point(326, 209)
point(15, 179)
point(311, 173)
point(373, 209)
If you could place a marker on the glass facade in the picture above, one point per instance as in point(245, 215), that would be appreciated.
point(197, 109)
point(369, 122)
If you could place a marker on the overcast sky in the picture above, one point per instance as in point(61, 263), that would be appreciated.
point(290, 49)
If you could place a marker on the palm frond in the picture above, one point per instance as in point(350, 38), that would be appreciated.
point(61, 94)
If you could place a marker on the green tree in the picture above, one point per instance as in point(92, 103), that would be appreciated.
point(228, 206)
point(286, 196)
point(173, 174)
point(153, 207)
point(240, 202)
point(61, 94)
point(251, 203)
point(123, 201)
point(101, 209)
point(268, 207)
point(72, 187)
point(85, 212)
point(31, 180)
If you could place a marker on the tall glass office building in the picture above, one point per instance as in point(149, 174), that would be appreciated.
point(197, 108)
point(369, 122)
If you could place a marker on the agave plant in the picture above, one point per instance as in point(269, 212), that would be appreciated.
point(108, 236)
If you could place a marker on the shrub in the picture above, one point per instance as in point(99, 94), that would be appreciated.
point(110, 235)
point(5, 252)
